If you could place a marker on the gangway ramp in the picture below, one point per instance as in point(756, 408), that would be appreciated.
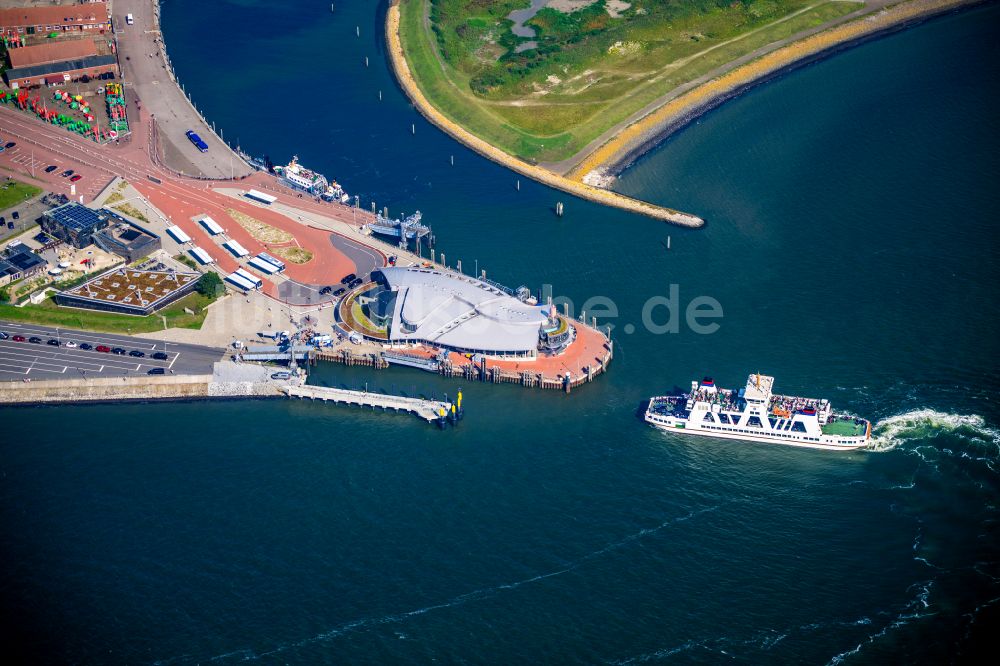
point(429, 410)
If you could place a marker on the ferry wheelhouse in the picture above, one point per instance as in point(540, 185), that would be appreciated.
point(757, 414)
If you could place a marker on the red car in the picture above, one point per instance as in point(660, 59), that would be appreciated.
point(75, 178)
point(104, 348)
point(18, 338)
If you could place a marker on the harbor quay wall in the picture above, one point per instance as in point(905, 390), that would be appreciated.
point(619, 152)
point(491, 375)
point(113, 389)
point(104, 389)
point(540, 174)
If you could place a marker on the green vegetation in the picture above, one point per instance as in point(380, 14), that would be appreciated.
point(13, 192)
point(130, 210)
point(294, 254)
point(592, 68)
point(210, 285)
point(50, 314)
point(117, 195)
point(187, 261)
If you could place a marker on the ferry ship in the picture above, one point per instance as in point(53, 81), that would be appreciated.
point(310, 181)
point(756, 414)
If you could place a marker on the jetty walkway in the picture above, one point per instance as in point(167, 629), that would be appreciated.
point(429, 410)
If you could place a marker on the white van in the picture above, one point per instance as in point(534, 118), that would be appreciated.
point(129, 19)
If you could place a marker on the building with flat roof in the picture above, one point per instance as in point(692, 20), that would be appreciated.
point(65, 18)
point(451, 311)
point(19, 261)
point(129, 291)
point(126, 238)
point(74, 223)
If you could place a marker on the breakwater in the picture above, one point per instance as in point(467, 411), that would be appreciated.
point(542, 175)
point(619, 152)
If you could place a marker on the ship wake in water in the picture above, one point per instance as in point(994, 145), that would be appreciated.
point(924, 424)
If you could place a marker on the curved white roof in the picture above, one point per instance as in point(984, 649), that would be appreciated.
point(461, 312)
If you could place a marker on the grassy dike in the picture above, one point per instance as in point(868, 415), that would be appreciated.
point(560, 124)
point(637, 137)
point(403, 74)
point(486, 132)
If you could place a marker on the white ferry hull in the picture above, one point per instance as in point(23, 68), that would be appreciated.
point(860, 443)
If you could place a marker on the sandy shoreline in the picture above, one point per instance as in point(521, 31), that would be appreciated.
point(542, 175)
point(618, 153)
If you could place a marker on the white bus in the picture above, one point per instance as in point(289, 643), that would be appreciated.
point(178, 235)
point(249, 277)
point(204, 257)
point(240, 281)
point(263, 266)
point(271, 260)
point(236, 248)
point(261, 197)
point(211, 226)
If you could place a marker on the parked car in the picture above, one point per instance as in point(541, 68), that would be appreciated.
point(356, 282)
point(16, 215)
point(155, 371)
point(53, 342)
point(75, 178)
point(347, 279)
point(104, 349)
point(9, 144)
point(35, 341)
point(18, 338)
point(281, 375)
point(67, 173)
point(160, 356)
point(340, 292)
point(70, 344)
point(137, 354)
point(119, 350)
point(325, 290)
point(50, 168)
point(85, 346)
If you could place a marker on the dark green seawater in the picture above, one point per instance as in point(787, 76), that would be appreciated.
point(852, 246)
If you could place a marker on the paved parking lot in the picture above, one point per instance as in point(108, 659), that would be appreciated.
point(25, 360)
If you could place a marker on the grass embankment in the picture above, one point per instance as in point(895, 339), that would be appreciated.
point(294, 254)
point(13, 192)
point(590, 71)
point(483, 147)
point(50, 314)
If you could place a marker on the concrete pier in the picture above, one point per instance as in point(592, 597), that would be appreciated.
point(429, 410)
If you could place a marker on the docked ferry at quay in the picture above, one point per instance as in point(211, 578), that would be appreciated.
point(756, 414)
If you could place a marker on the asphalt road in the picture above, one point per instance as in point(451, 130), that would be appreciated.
point(365, 261)
point(24, 360)
point(141, 57)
